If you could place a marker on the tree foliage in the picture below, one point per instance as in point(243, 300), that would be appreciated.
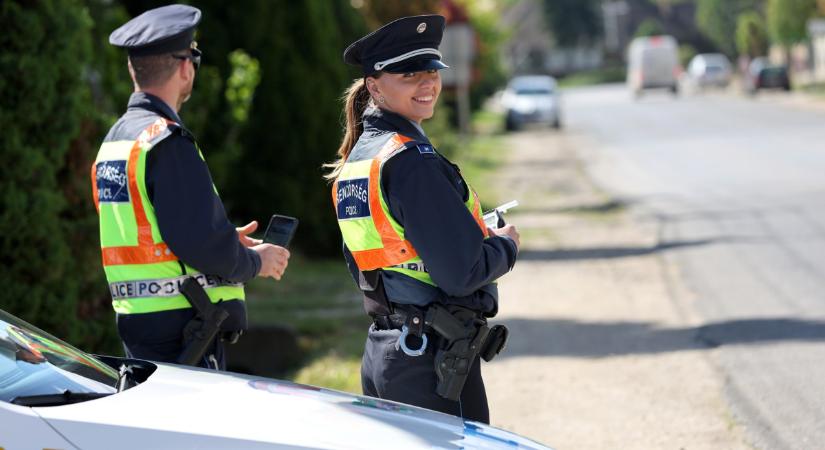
point(270, 161)
point(787, 19)
point(649, 27)
point(380, 12)
point(48, 234)
point(751, 35)
point(573, 22)
point(717, 20)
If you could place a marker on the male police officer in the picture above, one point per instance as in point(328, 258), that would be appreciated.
point(161, 221)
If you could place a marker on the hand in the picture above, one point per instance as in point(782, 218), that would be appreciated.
point(274, 260)
point(245, 231)
point(507, 230)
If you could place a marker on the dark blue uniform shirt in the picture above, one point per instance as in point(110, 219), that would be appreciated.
point(190, 216)
point(425, 194)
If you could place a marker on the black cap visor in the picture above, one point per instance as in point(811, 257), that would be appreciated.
point(416, 65)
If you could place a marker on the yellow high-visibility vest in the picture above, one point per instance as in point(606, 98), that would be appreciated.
point(144, 275)
point(375, 239)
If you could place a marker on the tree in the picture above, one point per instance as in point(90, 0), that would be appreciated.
point(649, 27)
point(488, 73)
point(717, 19)
point(380, 12)
point(292, 121)
point(751, 35)
point(573, 22)
point(50, 251)
point(787, 19)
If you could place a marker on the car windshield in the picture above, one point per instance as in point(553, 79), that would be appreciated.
point(533, 91)
point(773, 70)
point(33, 362)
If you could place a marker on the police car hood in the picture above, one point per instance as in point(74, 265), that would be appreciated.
point(180, 407)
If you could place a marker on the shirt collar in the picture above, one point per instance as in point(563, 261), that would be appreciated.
point(383, 120)
point(144, 100)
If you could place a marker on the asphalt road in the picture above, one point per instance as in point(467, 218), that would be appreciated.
point(736, 187)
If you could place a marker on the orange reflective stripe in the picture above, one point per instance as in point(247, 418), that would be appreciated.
point(146, 252)
point(477, 214)
point(95, 194)
point(155, 253)
point(143, 225)
point(396, 143)
point(394, 250)
point(371, 259)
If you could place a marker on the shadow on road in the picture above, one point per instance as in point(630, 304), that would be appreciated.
point(606, 252)
point(571, 338)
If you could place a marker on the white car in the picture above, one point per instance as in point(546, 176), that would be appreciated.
point(531, 99)
point(53, 395)
point(709, 70)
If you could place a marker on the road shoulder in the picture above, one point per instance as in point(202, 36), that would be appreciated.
point(602, 351)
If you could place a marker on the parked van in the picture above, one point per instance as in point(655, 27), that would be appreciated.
point(653, 62)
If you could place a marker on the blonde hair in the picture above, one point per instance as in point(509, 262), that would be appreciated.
point(356, 98)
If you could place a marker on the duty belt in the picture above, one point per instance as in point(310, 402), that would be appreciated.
point(463, 336)
point(163, 287)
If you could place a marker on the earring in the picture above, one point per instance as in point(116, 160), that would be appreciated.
point(381, 99)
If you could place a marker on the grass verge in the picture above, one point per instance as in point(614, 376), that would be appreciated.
point(482, 156)
point(591, 77)
point(817, 89)
point(318, 299)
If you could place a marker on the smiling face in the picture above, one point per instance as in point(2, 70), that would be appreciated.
point(412, 95)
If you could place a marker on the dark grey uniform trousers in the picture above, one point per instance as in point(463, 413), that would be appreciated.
point(391, 374)
point(159, 337)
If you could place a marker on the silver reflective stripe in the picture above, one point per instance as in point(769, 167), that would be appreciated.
point(421, 51)
point(418, 267)
point(163, 287)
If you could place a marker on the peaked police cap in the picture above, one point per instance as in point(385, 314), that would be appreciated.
point(157, 31)
point(409, 44)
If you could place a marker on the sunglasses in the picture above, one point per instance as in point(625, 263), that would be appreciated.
point(195, 56)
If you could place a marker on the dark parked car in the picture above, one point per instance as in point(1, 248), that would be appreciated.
point(764, 75)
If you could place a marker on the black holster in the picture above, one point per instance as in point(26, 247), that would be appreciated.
point(200, 333)
point(465, 336)
point(376, 302)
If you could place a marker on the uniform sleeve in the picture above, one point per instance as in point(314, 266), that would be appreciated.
point(191, 217)
point(425, 195)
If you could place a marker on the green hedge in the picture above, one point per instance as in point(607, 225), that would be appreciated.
point(47, 234)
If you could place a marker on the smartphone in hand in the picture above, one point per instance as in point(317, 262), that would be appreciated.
point(280, 230)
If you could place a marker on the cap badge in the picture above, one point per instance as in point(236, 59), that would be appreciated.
point(421, 27)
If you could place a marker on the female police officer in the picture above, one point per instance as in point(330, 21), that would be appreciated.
point(414, 238)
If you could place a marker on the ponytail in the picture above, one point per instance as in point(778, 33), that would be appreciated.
point(356, 99)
